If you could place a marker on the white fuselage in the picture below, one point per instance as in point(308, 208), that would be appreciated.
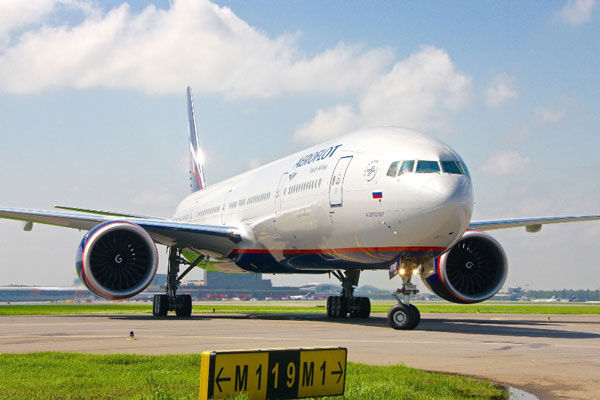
point(334, 206)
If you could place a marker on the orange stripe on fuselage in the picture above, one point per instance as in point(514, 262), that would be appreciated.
point(339, 250)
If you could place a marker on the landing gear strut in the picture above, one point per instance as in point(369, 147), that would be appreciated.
point(346, 303)
point(171, 301)
point(404, 315)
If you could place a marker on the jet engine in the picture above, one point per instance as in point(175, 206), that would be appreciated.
point(473, 270)
point(117, 260)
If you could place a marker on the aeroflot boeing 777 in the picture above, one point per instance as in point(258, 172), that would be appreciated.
point(384, 198)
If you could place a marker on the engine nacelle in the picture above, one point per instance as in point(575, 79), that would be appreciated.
point(473, 270)
point(117, 260)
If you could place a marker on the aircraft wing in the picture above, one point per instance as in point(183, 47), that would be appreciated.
point(209, 239)
point(531, 224)
point(102, 212)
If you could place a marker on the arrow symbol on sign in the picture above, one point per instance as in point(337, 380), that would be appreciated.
point(338, 372)
point(219, 379)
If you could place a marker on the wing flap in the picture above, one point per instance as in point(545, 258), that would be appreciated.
point(534, 223)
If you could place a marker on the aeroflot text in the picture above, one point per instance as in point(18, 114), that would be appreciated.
point(319, 155)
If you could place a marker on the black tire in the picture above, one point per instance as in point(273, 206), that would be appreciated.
point(337, 307)
point(160, 305)
point(184, 305)
point(355, 312)
point(401, 317)
point(417, 315)
point(344, 308)
point(365, 307)
point(330, 306)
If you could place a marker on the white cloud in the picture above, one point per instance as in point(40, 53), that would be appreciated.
point(192, 42)
point(16, 15)
point(501, 90)
point(418, 93)
point(327, 124)
point(505, 163)
point(546, 114)
point(577, 12)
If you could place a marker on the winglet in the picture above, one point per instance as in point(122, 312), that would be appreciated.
point(196, 157)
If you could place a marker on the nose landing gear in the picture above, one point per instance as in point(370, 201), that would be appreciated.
point(347, 303)
point(404, 316)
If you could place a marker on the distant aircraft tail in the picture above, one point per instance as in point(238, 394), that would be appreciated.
point(197, 180)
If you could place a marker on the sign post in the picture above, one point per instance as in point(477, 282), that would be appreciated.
point(273, 374)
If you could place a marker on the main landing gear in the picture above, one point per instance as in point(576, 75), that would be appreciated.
point(404, 315)
point(346, 303)
point(171, 301)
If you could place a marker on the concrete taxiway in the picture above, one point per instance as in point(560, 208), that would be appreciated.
point(554, 356)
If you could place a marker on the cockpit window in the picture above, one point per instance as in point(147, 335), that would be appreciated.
point(393, 169)
point(464, 168)
point(427, 166)
point(407, 166)
point(451, 167)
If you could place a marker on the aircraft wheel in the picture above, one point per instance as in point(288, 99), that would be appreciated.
point(401, 317)
point(364, 308)
point(330, 306)
point(160, 305)
point(416, 313)
point(337, 307)
point(343, 307)
point(333, 305)
point(183, 305)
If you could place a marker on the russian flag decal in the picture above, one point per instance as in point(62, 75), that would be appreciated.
point(377, 194)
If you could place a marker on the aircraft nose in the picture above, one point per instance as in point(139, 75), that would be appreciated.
point(448, 191)
point(441, 209)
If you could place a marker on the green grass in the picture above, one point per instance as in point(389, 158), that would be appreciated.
point(88, 376)
point(64, 309)
point(245, 308)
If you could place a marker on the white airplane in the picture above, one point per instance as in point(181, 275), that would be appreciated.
point(552, 299)
point(375, 199)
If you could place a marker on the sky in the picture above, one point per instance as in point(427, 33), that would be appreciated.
point(93, 115)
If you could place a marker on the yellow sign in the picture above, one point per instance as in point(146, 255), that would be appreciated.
point(273, 374)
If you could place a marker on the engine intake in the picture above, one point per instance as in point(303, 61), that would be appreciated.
point(473, 270)
point(117, 260)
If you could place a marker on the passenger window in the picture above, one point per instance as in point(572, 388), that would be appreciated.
point(451, 167)
point(407, 166)
point(427, 166)
point(393, 169)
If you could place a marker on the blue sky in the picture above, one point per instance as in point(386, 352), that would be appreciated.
point(92, 108)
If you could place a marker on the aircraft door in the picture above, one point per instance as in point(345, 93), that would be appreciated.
point(336, 185)
point(224, 208)
point(279, 194)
